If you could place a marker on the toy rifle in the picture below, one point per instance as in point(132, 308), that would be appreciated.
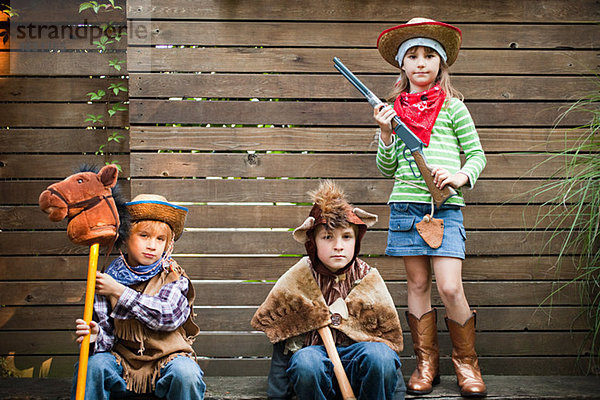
point(411, 142)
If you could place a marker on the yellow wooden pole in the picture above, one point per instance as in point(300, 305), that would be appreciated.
point(88, 310)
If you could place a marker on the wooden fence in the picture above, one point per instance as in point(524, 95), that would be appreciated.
point(236, 111)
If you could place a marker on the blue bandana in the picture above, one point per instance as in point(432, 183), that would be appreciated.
point(126, 275)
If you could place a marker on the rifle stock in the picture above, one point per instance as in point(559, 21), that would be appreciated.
point(439, 195)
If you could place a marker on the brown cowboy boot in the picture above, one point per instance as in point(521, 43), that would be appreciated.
point(464, 358)
point(424, 335)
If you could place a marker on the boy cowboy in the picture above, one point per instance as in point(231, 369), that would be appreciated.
point(142, 330)
point(332, 287)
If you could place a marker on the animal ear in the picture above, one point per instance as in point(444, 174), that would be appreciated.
point(366, 217)
point(108, 175)
point(300, 232)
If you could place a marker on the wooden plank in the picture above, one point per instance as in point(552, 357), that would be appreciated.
point(311, 113)
point(273, 242)
point(65, 11)
point(255, 387)
point(490, 365)
point(446, 10)
point(294, 190)
point(54, 166)
point(529, 165)
point(488, 318)
point(243, 59)
point(475, 217)
point(143, 138)
point(491, 268)
point(257, 345)
point(64, 64)
point(341, 34)
point(269, 216)
point(28, 192)
point(360, 191)
point(16, 318)
point(45, 115)
point(58, 140)
point(76, 35)
point(56, 89)
point(318, 86)
point(62, 366)
point(211, 293)
point(488, 344)
point(478, 293)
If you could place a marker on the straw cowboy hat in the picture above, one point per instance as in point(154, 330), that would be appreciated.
point(448, 36)
point(157, 208)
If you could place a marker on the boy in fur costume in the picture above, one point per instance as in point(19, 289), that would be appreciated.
point(332, 287)
point(142, 329)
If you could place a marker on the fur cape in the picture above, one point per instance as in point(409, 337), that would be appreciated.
point(296, 305)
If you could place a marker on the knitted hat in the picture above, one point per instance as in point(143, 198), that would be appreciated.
point(450, 37)
point(156, 208)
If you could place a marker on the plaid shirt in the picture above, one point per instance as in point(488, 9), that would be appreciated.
point(166, 311)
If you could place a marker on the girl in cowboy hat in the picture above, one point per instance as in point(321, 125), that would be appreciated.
point(332, 287)
point(143, 327)
point(428, 104)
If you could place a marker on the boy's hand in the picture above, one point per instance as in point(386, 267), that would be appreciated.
point(83, 329)
point(383, 116)
point(107, 286)
point(441, 178)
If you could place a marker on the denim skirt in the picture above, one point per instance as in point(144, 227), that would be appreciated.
point(404, 240)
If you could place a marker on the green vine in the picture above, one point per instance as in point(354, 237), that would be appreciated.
point(110, 36)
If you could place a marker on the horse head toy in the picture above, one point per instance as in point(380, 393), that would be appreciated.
point(86, 199)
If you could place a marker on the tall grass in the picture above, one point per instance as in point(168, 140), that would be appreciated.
point(573, 210)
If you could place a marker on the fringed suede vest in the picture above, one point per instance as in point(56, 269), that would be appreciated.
point(141, 351)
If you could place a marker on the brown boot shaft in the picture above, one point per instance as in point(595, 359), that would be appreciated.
point(464, 357)
point(424, 335)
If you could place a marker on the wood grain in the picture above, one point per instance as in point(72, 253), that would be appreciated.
point(446, 10)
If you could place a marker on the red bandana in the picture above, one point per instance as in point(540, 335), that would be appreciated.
point(420, 110)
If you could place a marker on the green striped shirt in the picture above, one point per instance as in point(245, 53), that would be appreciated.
point(453, 130)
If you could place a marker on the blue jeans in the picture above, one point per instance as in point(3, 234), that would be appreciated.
point(180, 379)
point(370, 366)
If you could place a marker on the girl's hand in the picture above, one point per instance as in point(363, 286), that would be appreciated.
point(83, 329)
point(383, 116)
point(107, 286)
point(441, 178)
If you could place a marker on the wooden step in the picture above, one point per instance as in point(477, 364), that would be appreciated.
point(254, 388)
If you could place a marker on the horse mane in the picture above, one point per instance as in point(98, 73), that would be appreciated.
point(120, 200)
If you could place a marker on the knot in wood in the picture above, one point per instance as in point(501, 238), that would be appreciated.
point(252, 159)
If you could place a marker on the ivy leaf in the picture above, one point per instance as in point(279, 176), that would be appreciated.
point(96, 96)
point(117, 87)
point(116, 64)
point(94, 118)
point(84, 6)
point(115, 108)
point(116, 137)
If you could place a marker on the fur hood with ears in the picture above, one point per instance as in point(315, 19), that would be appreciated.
point(296, 305)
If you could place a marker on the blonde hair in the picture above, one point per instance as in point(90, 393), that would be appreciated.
point(442, 79)
point(152, 227)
